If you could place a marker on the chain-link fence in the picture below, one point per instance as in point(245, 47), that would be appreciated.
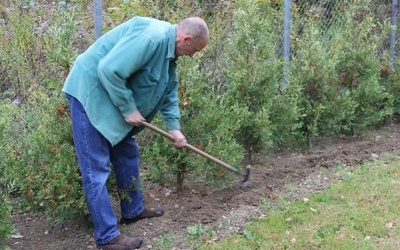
point(330, 15)
point(333, 14)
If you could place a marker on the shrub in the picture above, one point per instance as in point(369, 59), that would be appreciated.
point(339, 75)
point(38, 163)
point(253, 74)
point(38, 157)
point(358, 69)
point(208, 126)
point(313, 70)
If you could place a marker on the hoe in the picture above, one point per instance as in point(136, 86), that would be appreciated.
point(246, 175)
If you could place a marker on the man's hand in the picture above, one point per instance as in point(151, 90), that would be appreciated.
point(180, 139)
point(135, 118)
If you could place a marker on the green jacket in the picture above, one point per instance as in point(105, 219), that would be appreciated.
point(132, 67)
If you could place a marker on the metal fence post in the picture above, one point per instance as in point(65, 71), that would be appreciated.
point(393, 33)
point(286, 42)
point(98, 18)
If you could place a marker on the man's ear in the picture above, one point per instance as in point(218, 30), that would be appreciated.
point(187, 38)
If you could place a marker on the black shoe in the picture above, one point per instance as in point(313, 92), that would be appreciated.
point(147, 213)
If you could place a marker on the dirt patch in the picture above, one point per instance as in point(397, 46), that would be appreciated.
point(224, 211)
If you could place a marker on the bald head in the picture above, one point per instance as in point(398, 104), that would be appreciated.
point(195, 27)
point(192, 35)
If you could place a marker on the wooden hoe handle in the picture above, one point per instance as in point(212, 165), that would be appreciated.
point(192, 148)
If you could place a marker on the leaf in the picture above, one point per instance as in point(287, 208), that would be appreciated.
point(194, 230)
point(247, 234)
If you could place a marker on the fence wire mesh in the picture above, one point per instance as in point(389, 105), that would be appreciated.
point(329, 15)
point(333, 14)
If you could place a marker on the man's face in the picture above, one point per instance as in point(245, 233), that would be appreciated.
point(188, 46)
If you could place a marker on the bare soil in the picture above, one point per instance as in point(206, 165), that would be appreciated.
point(289, 174)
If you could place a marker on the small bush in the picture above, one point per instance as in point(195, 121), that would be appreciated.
point(253, 74)
point(339, 74)
point(207, 126)
point(359, 70)
point(38, 162)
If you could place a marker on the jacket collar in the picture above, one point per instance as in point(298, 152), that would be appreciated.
point(171, 43)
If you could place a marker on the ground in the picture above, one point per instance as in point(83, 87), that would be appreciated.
point(293, 175)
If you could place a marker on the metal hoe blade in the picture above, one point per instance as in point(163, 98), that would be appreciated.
point(246, 178)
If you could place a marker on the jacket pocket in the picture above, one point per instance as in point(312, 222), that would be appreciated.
point(144, 86)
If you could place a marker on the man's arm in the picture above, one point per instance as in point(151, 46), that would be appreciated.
point(128, 56)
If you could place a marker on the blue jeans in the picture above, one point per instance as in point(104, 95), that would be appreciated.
point(95, 154)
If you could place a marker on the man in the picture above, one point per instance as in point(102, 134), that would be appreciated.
point(123, 79)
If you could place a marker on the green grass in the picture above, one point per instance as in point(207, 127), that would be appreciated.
point(359, 211)
point(165, 242)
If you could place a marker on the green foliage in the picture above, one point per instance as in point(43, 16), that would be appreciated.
point(252, 76)
point(390, 80)
point(5, 214)
point(340, 77)
point(172, 10)
point(38, 162)
point(5, 204)
point(196, 230)
point(358, 69)
point(312, 69)
point(165, 242)
point(38, 165)
point(206, 126)
point(37, 48)
point(20, 55)
point(61, 35)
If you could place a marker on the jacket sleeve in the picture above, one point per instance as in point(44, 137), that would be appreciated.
point(170, 109)
point(128, 56)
